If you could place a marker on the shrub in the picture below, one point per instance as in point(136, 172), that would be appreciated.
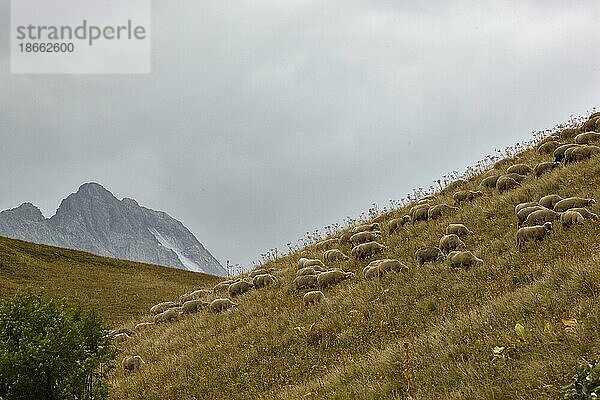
point(586, 383)
point(51, 350)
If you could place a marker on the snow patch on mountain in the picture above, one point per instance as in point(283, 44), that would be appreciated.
point(166, 243)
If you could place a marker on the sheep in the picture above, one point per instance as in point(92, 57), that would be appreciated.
point(131, 364)
point(587, 137)
point(397, 223)
point(521, 206)
point(428, 254)
point(466, 195)
point(169, 315)
point(500, 164)
point(334, 255)
point(120, 338)
point(160, 307)
point(490, 182)
point(333, 277)
point(313, 297)
point(581, 153)
point(441, 209)
point(309, 271)
point(364, 237)
point(305, 282)
point(220, 305)
point(570, 217)
point(222, 286)
point(345, 238)
point(545, 167)
point(195, 295)
point(366, 227)
point(325, 244)
point(533, 233)
point(573, 202)
point(143, 326)
point(521, 169)
point(388, 265)
point(590, 124)
point(517, 177)
point(550, 201)
point(371, 271)
point(538, 217)
point(365, 250)
point(464, 259)
point(423, 201)
point(524, 213)
point(506, 183)
point(585, 213)
point(419, 213)
point(458, 229)
point(548, 147)
point(559, 153)
point(306, 262)
point(240, 287)
point(450, 243)
point(261, 271)
point(264, 280)
point(193, 306)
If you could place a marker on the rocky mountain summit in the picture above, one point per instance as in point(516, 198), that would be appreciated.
point(94, 220)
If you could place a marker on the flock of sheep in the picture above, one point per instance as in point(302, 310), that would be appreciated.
point(364, 242)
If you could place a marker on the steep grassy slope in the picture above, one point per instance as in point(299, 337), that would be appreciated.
point(118, 289)
point(273, 347)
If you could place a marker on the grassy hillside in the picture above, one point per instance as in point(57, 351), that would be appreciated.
point(119, 289)
point(273, 347)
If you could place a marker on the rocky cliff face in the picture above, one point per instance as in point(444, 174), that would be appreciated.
point(96, 221)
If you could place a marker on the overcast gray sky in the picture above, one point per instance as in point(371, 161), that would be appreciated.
point(262, 120)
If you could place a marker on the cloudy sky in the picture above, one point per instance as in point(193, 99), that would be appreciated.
point(262, 120)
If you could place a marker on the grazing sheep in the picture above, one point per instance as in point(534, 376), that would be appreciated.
point(450, 243)
point(458, 229)
point(590, 124)
point(559, 153)
point(222, 286)
point(463, 259)
point(397, 223)
point(240, 287)
point(585, 213)
point(195, 295)
point(533, 233)
point(160, 307)
point(521, 169)
point(587, 137)
point(305, 282)
point(219, 305)
point(332, 277)
point(538, 217)
point(372, 272)
point(466, 195)
point(345, 238)
point(309, 271)
point(506, 183)
point(169, 315)
point(364, 237)
point(550, 201)
point(366, 227)
point(544, 167)
point(570, 217)
point(142, 326)
point(264, 280)
point(423, 201)
point(573, 202)
point(306, 262)
point(260, 271)
point(517, 177)
point(333, 255)
point(440, 210)
point(524, 213)
point(521, 206)
point(455, 185)
point(131, 364)
point(365, 250)
point(428, 254)
point(581, 153)
point(500, 164)
point(420, 213)
point(389, 265)
point(313, 297)
point(325, 244)
point(490, 182)
point(548, 147)
point(120, 338)
point(193, 306)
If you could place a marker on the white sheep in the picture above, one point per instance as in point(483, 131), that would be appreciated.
point(334, 255)
point(313, 297)
point(505, 183)
point(524, 213)
point(264, 280)
point(240, 287)
point(395, 224)
point(450, 243)
point(570, 218)
point(463, 259)
point(573, 202)
point(458, 229)
point(550, 201)
point(309, 271)
point(538, 217)
point(219, 305)
point(332, 277)
point(306, 262)
point(193, 306)
point(428, 254)
point(364, 237)
point(521, 169)
point(545, 167)
point(440, 209)
point(521, 206)
point(533, 233)
point(365, 250)
point(169, 315)
point(305, 282)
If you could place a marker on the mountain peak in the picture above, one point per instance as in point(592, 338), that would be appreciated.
point(93, 189)
point(28, 212)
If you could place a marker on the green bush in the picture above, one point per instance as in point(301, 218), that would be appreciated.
point(586, 383)
point(51, 350)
